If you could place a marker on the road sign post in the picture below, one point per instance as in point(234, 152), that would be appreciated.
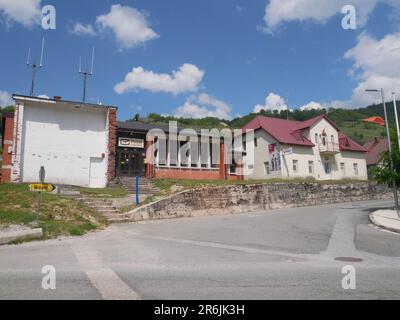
point(137, 191)
point(39, 188)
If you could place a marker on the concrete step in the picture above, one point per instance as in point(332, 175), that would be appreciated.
point(117, 218)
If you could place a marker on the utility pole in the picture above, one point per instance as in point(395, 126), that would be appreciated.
point(391, 166)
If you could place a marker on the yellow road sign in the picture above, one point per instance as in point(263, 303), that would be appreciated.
point(38, 187)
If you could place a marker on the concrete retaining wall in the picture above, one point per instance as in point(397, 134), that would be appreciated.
point(251, 198)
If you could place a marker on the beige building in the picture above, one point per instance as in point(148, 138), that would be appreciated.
point(311, 149)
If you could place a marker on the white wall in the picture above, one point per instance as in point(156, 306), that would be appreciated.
point(261, 156)
point(304, 155)
point(63, 139)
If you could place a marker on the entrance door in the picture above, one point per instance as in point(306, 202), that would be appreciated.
point(130, 163)
point(97, 174)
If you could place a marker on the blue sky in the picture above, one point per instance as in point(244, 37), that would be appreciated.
point(230, 57)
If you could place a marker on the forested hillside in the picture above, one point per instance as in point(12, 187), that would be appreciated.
point(348, 120)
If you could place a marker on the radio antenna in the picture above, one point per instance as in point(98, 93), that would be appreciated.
point(34, 65)
point(86, 75)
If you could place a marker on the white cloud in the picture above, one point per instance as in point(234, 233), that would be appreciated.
point(5, 99)
point(239, 9)
point(186, 79)
point(311, 106)
point(319, 11)
point(83, 29)
point(25, 12)
point(129, 25)
point(376, 65)
point(272, 102)
point(197, 107)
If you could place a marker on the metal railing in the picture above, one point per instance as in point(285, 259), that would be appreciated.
point(329, 147)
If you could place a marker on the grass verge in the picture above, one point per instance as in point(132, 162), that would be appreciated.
point(59, 216)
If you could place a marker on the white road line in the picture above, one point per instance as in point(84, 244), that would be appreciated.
point(287, 255)
point(104, 279)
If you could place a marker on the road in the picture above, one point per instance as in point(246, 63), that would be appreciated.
point(281, 254)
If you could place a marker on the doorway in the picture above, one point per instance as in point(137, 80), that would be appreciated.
point(131, 163)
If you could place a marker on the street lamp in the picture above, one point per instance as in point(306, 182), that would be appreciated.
point(396, 200)
point(396, 116)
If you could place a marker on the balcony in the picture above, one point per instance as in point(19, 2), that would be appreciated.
point(329, 148)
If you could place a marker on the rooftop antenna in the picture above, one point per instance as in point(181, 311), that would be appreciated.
point(86, 75)
point(34, 66)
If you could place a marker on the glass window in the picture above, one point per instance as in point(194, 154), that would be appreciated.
point(266, 167)
point(295, 166)
point(343, 167)
point(316, 138)
point(311, 167)
point(355, 169)
point(327, 167)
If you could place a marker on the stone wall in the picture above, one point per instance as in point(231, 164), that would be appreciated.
point(252, 198)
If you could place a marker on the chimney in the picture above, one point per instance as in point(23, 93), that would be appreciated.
point(57, 98)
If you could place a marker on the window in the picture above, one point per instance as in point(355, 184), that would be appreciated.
point(295, 166)
point(324, 140)
point(273, 165)
point(327, 167)
point(316, 138)
point(343, 167)
point(266, 167)
point(332, 138)
point(255, 142)
point(355, 165)
point(311, 167)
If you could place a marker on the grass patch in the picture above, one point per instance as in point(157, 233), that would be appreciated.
point(58, 217)
point(109, 192)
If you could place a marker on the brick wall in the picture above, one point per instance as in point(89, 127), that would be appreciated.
point(8, 128)
point(252, 198)
point(112, 143)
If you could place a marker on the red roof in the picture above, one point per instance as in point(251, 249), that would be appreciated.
point(281, 130)
point(375, 149)
point(376, 120)
point(292, 132)
point(347, 144)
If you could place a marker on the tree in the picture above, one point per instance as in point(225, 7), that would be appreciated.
point(389, 171)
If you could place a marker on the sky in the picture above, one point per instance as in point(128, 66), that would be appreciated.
point(193, 58)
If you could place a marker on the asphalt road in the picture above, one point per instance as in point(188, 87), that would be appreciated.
point(282, 254)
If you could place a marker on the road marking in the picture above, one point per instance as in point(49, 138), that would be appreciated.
point(343, 234)
point(297, 257)
point(104, 279)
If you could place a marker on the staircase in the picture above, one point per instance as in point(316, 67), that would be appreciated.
point(103, 206)
point(146, 187)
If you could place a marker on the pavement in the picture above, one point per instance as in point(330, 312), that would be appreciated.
point(386, 219)
point(281, 254)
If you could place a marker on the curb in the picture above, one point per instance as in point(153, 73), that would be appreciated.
point(11, 236)
point(376, 223)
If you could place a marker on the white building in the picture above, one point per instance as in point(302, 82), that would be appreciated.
point(315, 148)
point(74, 142)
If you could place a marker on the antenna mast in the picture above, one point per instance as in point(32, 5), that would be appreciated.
point(34, 66)
point(86, 75)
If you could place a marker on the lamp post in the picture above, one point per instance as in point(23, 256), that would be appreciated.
point(396, 200)
point(396, 116)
